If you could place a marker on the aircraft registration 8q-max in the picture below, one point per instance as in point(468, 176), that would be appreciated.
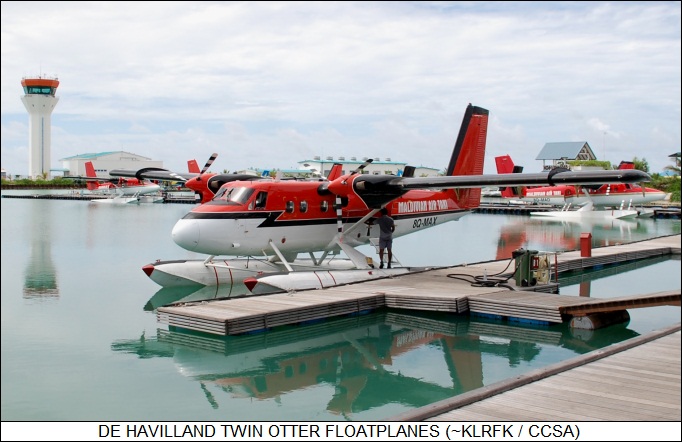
point(269, 222)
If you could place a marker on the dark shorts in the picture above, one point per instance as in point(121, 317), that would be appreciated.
point(385, 243)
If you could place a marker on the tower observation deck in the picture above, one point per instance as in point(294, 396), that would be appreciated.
point(39, 100)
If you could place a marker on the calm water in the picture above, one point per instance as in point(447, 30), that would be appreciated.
point(80, 339)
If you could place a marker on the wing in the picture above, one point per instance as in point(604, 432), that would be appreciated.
point(553, 178)
point(153, 173)
point(378, 190)
point(88, 178)
point(465, 172)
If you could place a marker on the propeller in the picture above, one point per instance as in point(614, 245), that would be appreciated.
point(208, 163)
point(199, 189)
point(338, 201)
point(362, 166)
point(343, 179)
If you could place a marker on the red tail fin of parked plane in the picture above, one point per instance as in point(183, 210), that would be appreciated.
point(626, 165)
point(505, 164)
point(193, 167)
point(335, 172)
point(90, 173)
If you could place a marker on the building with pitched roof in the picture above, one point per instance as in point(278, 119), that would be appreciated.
point(557, 154)
point(103, 162)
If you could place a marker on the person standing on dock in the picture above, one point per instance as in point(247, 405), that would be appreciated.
point(386, 227)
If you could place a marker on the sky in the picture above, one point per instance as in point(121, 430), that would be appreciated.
point(270, 84)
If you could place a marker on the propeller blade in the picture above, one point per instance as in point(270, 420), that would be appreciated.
point(208, 163)
point(362, 166)
point(339, 218)
point(338, 238)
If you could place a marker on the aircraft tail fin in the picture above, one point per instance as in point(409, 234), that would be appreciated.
point(335, 172)
point(468, 154)
point(505, 164)
point(626, 165)
point(193, 166)
point(90, 173)
point(408, 172)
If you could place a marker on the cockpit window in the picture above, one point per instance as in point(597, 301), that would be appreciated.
point(233, 195)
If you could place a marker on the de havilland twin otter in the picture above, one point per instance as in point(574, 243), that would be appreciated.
point(253, 229)
point(600, 195)
point(120, 190)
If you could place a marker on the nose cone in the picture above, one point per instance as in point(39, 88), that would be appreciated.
point(340, 186)
point(186, 234)
point(194, 184)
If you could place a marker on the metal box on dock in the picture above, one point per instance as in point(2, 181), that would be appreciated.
point(526, 262)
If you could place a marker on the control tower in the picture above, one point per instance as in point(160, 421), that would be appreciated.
point(39, 100)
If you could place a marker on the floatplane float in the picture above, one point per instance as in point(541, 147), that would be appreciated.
point(587, 211)
point(261, 225)
point(118, 199)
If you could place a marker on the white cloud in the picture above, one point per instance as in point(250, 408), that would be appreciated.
point(267, 84)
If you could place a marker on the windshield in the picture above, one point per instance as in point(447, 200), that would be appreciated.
point(233, 195)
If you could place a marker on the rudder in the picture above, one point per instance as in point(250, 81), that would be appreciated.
point(468, 154)
point(193, 167)
point(90, 173)
point(504, 165)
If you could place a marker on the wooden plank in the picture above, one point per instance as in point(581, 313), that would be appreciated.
point(601, 389)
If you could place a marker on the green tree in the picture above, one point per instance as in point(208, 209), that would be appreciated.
point(642, 164)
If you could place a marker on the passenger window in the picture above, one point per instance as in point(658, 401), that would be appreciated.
point(290, 207)
point(303, 206)
point(324, 206)
point(261, 198)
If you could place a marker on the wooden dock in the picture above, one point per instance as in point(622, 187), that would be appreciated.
point(458, 289)
point(634, 380)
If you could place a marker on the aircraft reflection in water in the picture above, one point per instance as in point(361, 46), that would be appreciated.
point(40, 276)
point(551, 235)
point(176, 295)
point(585, 277)
point(554, 235)
point(360, 358)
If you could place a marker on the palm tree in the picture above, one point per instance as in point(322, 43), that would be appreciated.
point(676, 168)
